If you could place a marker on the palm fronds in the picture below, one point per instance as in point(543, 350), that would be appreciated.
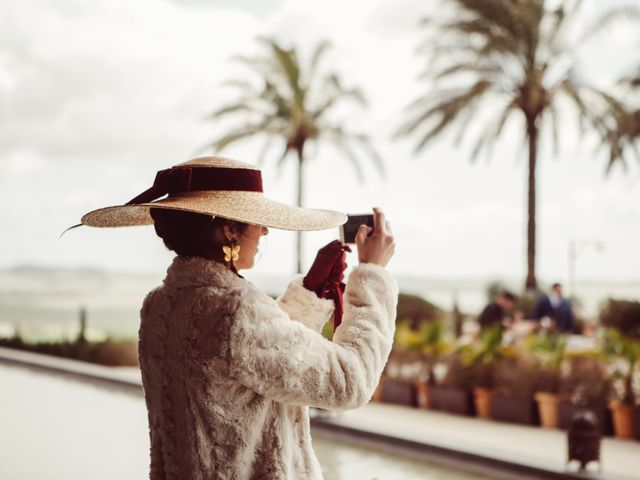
point(509, 51)
point(516, 54)
point(293, 105)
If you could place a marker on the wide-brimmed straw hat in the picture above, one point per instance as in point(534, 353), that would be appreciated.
point(214, 186)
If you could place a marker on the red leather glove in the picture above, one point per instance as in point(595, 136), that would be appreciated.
point(326, 276)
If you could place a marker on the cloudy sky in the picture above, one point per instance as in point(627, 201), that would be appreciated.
point(96, 96)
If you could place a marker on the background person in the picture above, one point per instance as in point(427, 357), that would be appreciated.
point(498, 311)
point(557, 308)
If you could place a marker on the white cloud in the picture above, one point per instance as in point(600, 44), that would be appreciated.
point(22, 162)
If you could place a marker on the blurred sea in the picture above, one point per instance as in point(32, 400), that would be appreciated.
point(44, 303)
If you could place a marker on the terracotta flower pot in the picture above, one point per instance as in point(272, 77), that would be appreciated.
point(548, 408)
point(482, 400)
point(623, 419)
point(423, 396)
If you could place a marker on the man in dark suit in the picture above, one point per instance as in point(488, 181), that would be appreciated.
point(497, 311)
point(557, 308)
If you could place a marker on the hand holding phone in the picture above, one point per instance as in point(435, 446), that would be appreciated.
point(375, 242)
point(350, 228)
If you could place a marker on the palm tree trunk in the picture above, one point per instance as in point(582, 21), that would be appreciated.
point(300, 151)
point(531, 283)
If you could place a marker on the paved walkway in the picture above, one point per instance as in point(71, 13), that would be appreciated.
point(437, 432)
point(530, 446)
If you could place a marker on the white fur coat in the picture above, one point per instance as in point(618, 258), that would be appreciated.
point(228, 372)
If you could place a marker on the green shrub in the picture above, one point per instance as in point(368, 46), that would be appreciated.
point(458, 373)
point(518, 374)
point(482, 355)
point(550, 349)
point(623, 315)
point(625, 355)
point(416, 311)
point(425, 346)
point(586, 374)
point(112, 352)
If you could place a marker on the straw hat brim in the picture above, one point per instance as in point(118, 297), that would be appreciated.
point(247, 207)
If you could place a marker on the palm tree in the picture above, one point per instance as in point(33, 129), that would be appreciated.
point(518, 56)
point(623, 138)
point(293, 104)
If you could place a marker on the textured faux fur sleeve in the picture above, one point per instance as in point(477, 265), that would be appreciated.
point(287, 362)
point(304, 306)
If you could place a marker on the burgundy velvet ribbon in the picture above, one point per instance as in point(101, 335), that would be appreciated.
point(187, 179)
point(326, 276)
point(334, 290)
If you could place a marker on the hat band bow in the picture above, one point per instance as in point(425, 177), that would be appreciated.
point(178, 180)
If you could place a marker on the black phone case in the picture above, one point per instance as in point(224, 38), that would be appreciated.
point(348, 230)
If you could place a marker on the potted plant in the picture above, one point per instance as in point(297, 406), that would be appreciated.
point(550, 349)
point(622, 315)
point(625, 353)
point(407, 373)
point(396, 383)
point(516, 379)
point(427, 344)
point(584, 382)
point(451, 393)
point(481, 357)
point(415, 311)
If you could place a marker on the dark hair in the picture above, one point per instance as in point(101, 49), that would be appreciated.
point(193, 234)
point(507, 295)
point(556, 285)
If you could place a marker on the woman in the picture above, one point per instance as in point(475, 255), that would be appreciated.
point(228, 372)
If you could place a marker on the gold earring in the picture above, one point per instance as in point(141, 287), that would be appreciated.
point(231, 253)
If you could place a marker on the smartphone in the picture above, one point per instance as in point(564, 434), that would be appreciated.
point(348, 230)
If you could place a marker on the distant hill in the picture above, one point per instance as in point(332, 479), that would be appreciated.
point(71, 286)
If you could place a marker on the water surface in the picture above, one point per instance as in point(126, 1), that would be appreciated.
point(59, 428)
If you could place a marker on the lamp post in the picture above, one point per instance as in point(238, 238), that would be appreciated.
point(575, 248)
point(583, 439)
point(584, 435)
